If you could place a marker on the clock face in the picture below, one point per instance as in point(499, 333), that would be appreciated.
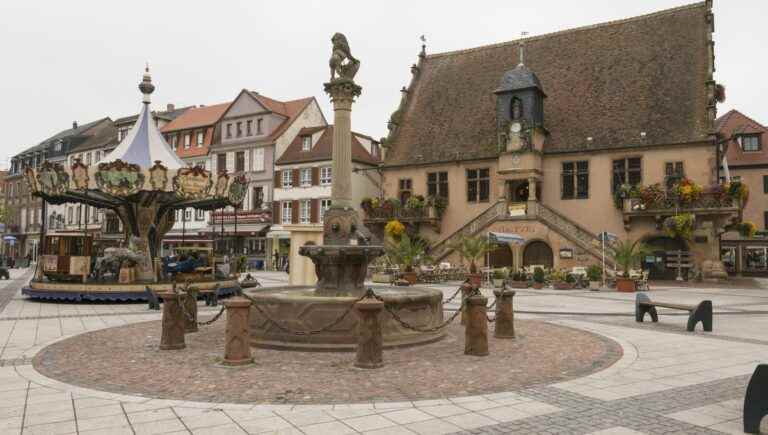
point(515, 127)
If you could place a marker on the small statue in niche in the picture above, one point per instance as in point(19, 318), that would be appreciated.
point(517, 108)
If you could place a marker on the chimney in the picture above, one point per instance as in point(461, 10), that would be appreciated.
point(74, 125)
point(170, 107)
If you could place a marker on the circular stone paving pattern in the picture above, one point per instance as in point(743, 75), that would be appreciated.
point(127, 360)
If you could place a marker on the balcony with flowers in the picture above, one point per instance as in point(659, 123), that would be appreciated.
point(682, 198)
point(416, 210)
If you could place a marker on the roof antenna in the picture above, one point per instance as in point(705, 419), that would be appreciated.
point(523, 34)
point(423, 45)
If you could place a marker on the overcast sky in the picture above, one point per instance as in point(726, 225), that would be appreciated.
point(81, 60)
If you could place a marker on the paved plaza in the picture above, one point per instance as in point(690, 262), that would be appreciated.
point(666, 381)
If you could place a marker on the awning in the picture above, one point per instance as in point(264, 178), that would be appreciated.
point(500, 238)
point(229, 229)
point(9, 238)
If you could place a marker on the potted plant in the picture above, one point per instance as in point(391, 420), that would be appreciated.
point(518, 279)
point(594, 275)
point(472, 249)
point(538, 278)
point(436, 205)
point(408, 253)
point(627, 254)
point(367, 204)
point(559, 280)
point(499, 276)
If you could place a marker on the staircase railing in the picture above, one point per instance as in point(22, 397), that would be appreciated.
point(443, 248)
point(568, 229)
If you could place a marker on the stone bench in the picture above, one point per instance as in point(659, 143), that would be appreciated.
point(756, 399)
point(697, 313)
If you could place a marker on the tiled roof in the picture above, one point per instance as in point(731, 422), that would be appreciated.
point(102, 134)
point(322, 148)
point(735, 123)
point(289, 109)
point(610, 82)
point(197, 117)
point(64, 134)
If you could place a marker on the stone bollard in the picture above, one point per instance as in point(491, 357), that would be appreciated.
point(237, 349)
point(476, 329)
point(505, 314)
point(173, 322)
point(370, 342)
point(190, 309)
point(466, 290)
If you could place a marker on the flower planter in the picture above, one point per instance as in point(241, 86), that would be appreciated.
point(381, 277)
point(498, 282)
point(411, 277)
point(627, 285)
point(594, 285)
point(475, 279)
point(538, 285)
point(562, 285)
point(518, 284)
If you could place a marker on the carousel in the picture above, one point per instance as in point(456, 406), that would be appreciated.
point(144, 183)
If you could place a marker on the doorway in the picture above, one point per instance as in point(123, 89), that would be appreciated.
point(501, 256)
point(538, 253)
point(662, 256)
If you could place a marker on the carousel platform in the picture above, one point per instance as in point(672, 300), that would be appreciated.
point(99, 291)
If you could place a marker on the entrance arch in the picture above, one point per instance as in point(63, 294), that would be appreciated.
point(661, 248)
point(501, 256)
point(538, 253)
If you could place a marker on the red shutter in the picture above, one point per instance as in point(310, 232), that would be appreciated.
point(278, 180)
point(314, 210)
point(315, 176)
point(295, 212)
point(295, 178)
point(275, 212)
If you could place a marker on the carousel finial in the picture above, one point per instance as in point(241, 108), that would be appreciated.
point(146, 87)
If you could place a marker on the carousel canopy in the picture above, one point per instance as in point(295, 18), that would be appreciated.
point(144, 144)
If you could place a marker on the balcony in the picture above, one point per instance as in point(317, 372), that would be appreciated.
point(388, 211)
point(707, 204)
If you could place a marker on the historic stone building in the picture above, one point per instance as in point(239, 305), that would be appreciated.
point(747, 160)
point(540, 137)
point(255, 129)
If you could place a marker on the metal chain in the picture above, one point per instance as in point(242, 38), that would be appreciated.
point(213, 319)
point(407, 325)
point(488, 308)
point(310, 332)
point(190, 317)
point(449, 300)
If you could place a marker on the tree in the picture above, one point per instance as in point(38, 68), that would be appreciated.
point(628, 254)
point(471, 249)
point(407, 252)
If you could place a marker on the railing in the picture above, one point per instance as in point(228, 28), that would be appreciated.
point(402, 213)
point(706, 201)
point(495, 211)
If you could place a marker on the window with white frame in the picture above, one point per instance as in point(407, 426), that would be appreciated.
point(325, 204)
point(306, 143)
point(305, 177)
point(187, 140)
point(200, 137)
point(325, 175)
point(287, 175)
point(258, 159)
point(199, 215)
point(187, 214)
point(88, 159)
point(304, 210)
point(258, 126)
point(287, 214)
point(98, 156)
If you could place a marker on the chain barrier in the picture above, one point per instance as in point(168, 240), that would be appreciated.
point(310, 332)
point(407, 325)
point(449, 300)
point(212, 319)
point(189, 316)
point(489, 308)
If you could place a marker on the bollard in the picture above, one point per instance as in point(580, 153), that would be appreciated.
point(505, 314)
point(173, 322)
point(476, 329)
point(237, 349)
point(466, 290)
point(369, 339)
point(190, 309)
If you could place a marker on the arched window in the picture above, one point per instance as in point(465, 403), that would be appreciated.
point(516, 108)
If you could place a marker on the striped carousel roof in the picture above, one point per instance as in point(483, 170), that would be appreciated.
point(144, 144)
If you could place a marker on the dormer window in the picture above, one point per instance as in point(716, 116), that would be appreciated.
point(516, 108)
point(306, 143)
point(749, 142)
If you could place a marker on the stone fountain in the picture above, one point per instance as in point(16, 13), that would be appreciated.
point(342, 261)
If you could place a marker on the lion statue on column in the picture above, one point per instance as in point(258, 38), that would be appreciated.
point(340, 54)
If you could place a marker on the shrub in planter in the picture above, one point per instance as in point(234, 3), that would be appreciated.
point(538, 278)
point(559, 280)
point(518, 279)
point(499, 276)
point(407, 253)
point(415, 203)
point(471, 249)
point(594, 275)
point(627, 255)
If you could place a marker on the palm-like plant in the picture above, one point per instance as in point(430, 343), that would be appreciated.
point(628, 254)
point(471, 249)
point(407, 252)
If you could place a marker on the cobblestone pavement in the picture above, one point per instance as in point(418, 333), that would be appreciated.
point(667, 381)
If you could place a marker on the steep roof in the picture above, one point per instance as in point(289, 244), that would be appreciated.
point(609, 81)
point(197, 117)
point(322, 149)
point(289, 109)
point(64, 135)
point(734, 123)
point(102, 134)
point(168, 115)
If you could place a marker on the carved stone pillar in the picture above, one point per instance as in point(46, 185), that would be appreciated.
point(476, 330)
point(237, 350)
point(173, 322)
point(342, 93)
point(505, 314)
point(532, 189)
point(190, 310)
point(369, 337)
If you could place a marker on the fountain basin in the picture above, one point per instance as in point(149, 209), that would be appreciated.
point(299, 308)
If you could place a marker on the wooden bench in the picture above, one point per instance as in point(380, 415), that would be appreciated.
point(697, 313)
point(756, 399)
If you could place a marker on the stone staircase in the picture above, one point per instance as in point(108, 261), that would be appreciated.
point(564, 226)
